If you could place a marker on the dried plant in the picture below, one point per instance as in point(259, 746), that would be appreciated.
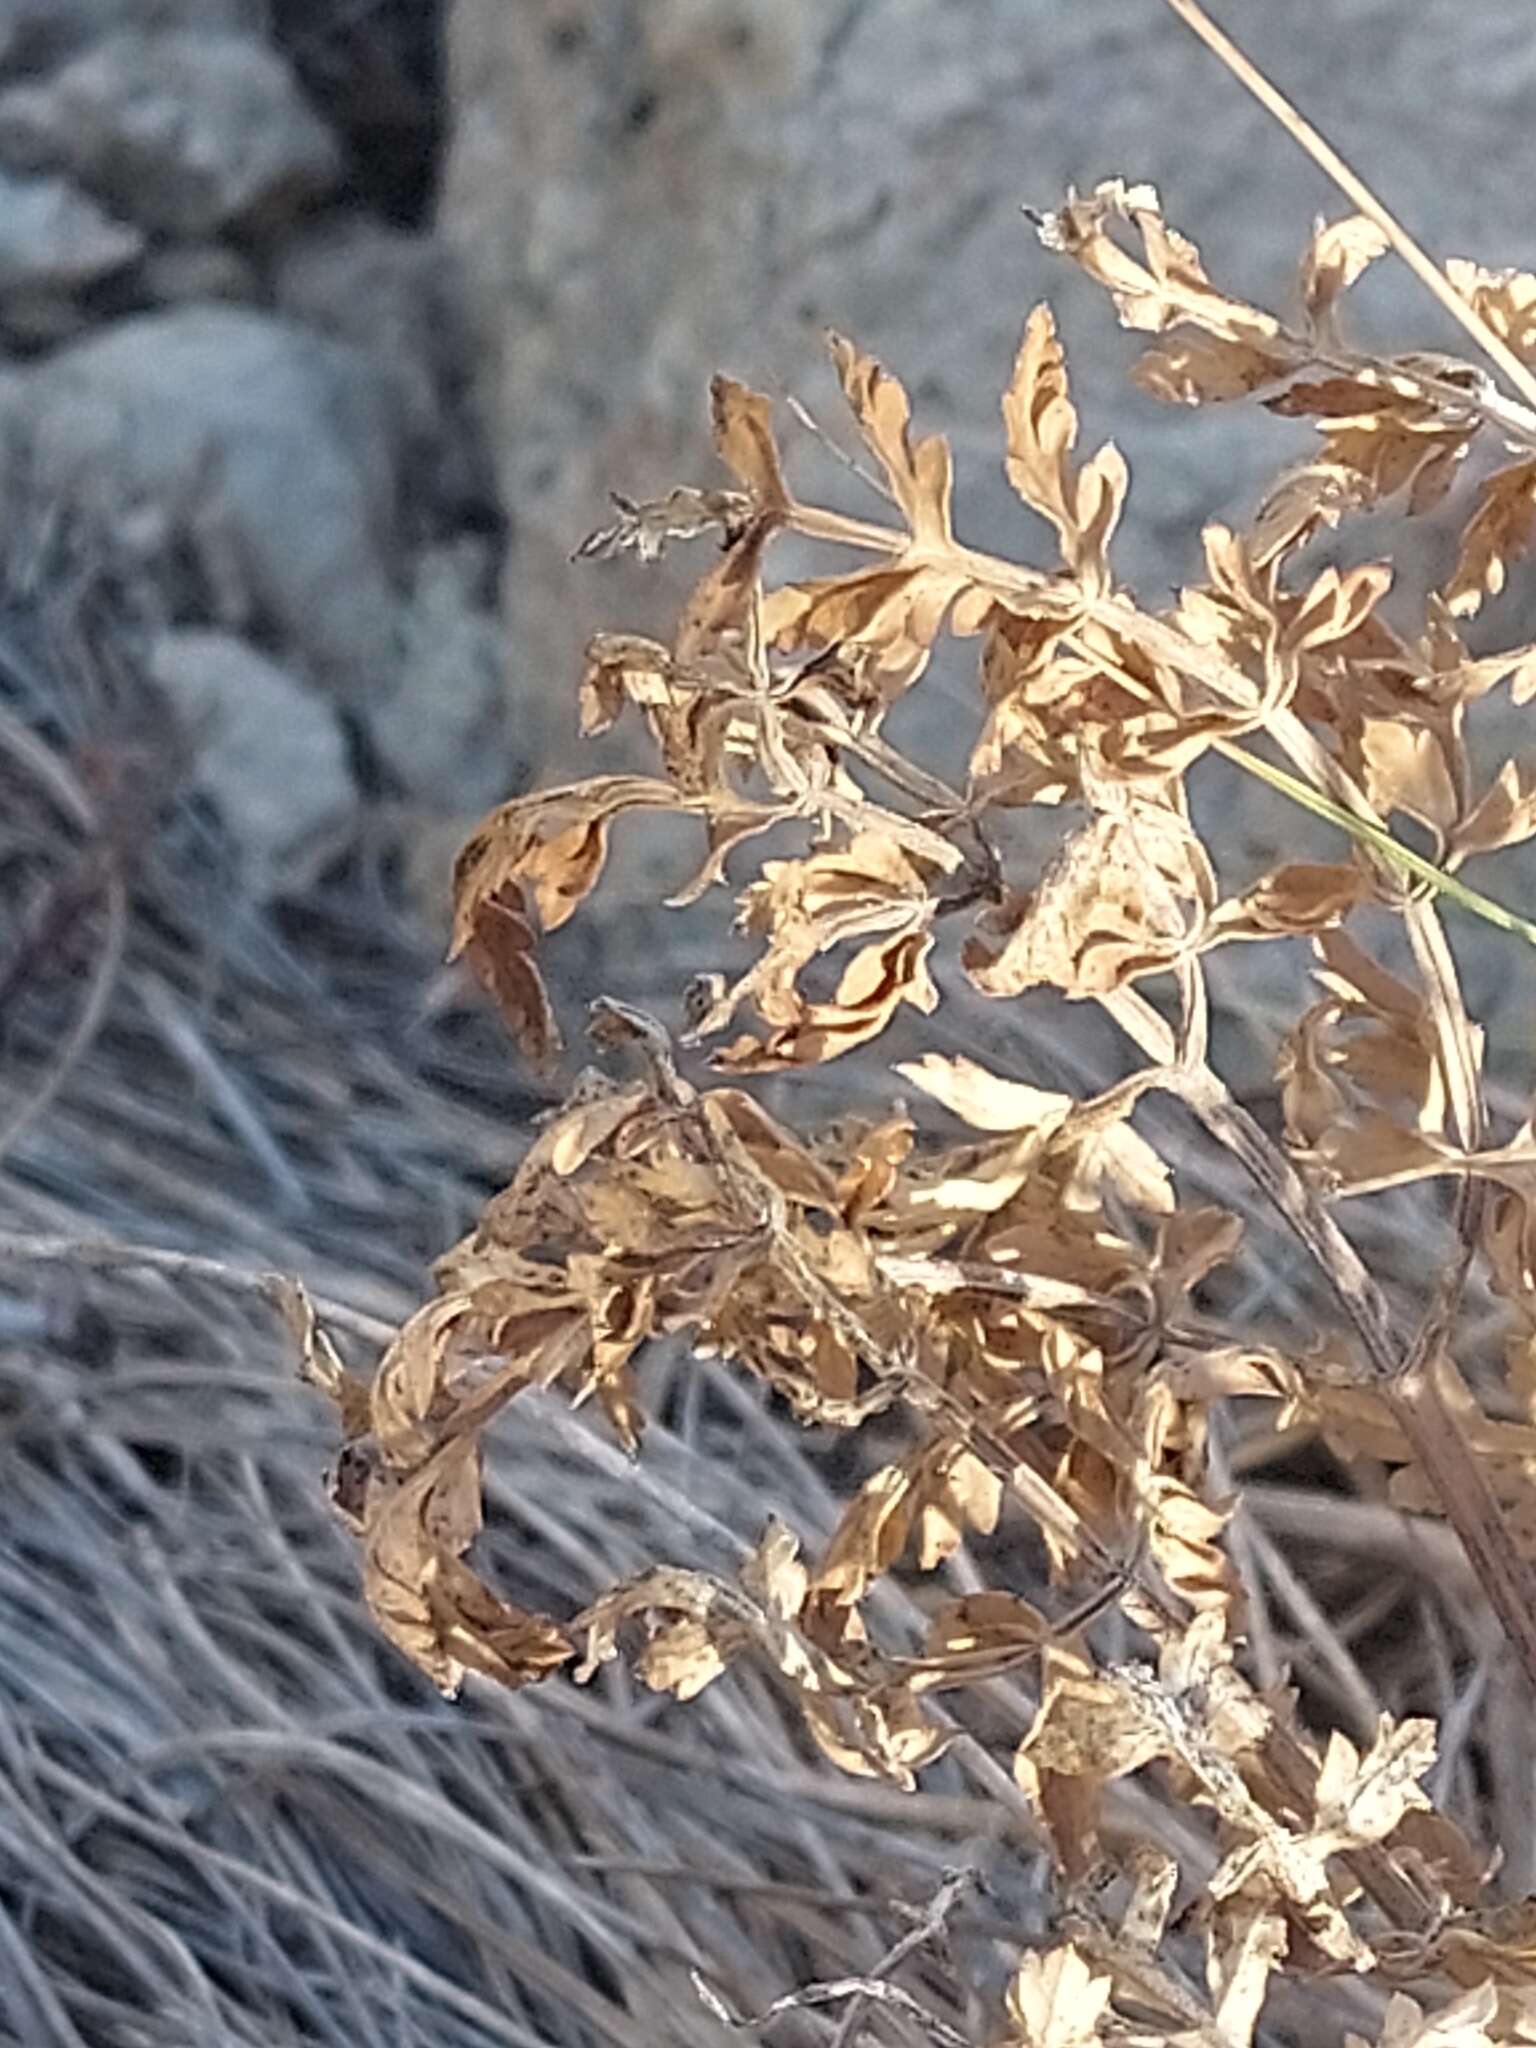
point(1021, 1315)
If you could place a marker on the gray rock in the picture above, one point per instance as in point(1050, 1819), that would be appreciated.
point(38, 32)
point(267, 753)
point(53, 238)
point(443, 731)
point(701, 184)
point(182, 130)
point(187, 273)
point(265, 455)
point(397, 296)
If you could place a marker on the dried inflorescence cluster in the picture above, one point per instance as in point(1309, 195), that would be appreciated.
point(1028, 1296)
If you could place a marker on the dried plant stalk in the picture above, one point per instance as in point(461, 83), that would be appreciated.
point(1030, 1297)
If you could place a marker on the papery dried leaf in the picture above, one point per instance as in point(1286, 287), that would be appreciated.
point(1247, 1938)
point(1184, 1536)
point(774, 1574)
point(405, 1387)
point(1407, 770)
point(550, 845)
point(1085, 1726)
point(1128, 895)
point(1338, 254)
point(681, 1658)
point(776, 1152)
point(1381, 436)
point(1200, 369)
point(621, 668)
point(1504, 815)
point(919, 475)
point(961, 1493)
point(1083, 505)
point(1464, 2023)
point(978, 1637)
point(1171, 287)
point(1056, 2000)
point(536, 857)
point(497, 942)
point(1375, 1153)
point(874, 1168)
point(744, 441)
point(875, 1736)
point(1505, 299)
point(889, 617)
point(1363, 1798)
point(321, 1364)
point(874, 985)
point(1298, 898)
point(429, 1604)
point(487, 1635)
point(984, 1100)
point(1499, 533)
point(584, 1128)
point(1336, 605)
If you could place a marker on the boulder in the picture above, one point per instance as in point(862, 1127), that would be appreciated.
point(34, 33)
point(263, 457)
point(267, 753)
point(182, 130)
point(443, 731)
point(397, 296)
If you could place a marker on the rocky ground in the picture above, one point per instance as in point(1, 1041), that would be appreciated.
point(325, 326)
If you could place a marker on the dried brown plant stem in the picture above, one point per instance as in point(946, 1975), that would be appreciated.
point(872, 1989)
point(1327, 158)
point(932, 1926)
point(1403, 1376)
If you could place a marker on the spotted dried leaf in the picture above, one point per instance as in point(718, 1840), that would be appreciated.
point(1246, 1940)
point(1362, 1799)
point(645, 527)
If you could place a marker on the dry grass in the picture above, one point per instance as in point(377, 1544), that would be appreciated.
point(227, 1812)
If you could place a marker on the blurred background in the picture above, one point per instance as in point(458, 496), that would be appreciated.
point(325, 328)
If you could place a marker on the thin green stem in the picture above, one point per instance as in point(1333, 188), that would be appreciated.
point(1381, 841)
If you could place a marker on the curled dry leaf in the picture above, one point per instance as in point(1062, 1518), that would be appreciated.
point(1338, 254)
point(427, 1601)
point(1129, 895)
